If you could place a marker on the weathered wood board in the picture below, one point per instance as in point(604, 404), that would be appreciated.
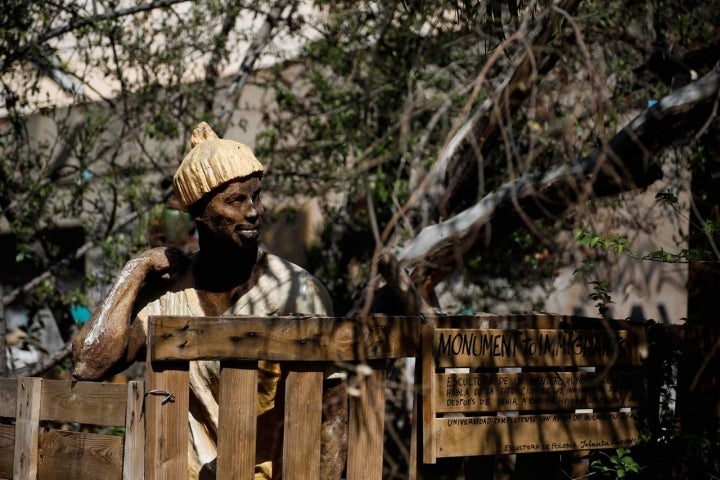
point(558, 372)
point(492, 435)
point(294, 338)
point(533, 348)
point(488, 392)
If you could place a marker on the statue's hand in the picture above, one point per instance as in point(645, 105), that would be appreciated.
point(163, 263)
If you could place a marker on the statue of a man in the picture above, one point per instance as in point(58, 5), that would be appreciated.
point(219, 184)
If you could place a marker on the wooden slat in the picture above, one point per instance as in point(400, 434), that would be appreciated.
point(283, 338)
point(428, 404)
point(167, 424)
point(27, 421)
point(534, 348)
point(491, 435)
point(134, 448)
point(7, 450)
point(303, 418)
point(489, 392)
point(84, 402)
point(8, 397)
point(237, 420)
point(530, 321)
point(81, 456)
point(367, 428)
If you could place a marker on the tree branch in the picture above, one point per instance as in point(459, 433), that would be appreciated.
point(623, 164)
point(20, 51)
point(79, 253)
point(259, 42)
point(457, 164)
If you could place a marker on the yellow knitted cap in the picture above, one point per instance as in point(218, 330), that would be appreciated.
point(211, 162)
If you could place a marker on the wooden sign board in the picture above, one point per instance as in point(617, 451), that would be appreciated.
point(532, 348)
point(497, 435)
point(492, 392)
point(485, 411)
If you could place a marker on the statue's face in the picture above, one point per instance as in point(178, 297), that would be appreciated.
point(234, 212)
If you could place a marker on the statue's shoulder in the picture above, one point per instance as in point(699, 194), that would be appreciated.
point(281, 267)
point(307, 291)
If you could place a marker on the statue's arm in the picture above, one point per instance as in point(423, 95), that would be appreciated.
point(112, 336)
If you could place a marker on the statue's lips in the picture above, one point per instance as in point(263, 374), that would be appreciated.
point(248, 232)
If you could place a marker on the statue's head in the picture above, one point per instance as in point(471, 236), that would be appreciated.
point(212, 162)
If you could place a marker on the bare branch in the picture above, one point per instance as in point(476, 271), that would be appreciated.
point(624, 164)
point(20, 51)
point(478, 135)
point(259, 42)
point(79, 253)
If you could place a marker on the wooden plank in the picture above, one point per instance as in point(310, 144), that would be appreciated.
point(493, 348)
point(81, 456)
point(531, 321)
point(367, 427)
point(303, 418)
point(8, 397)
point(167, 420)
point(84, 402)
point(498, 435)
point(429, 408)
point(487, 392)
point(134, 448)
point(27, 420)
point(237, 420)
point(283, 338)
point(7, 450)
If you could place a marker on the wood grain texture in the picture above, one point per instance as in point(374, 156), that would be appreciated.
point(463, 436)
point(491, 348)
point(283, 338)
point(538, 391)
point(27, 420)
point(7, 450)
point(552, 352)
point(8, 397)
point(237, 420)
point(134, 448)
point(303, 418)
point(367, 427)
point(97, 403)
point(81, 456)
point(167, 423)
point(428, 387)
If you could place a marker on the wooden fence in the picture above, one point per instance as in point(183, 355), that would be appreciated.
point(305, 346)
point(37, 439)
point(508, 361)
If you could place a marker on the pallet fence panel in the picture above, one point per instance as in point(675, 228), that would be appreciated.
point(237, 420)
point(366, 426)
point(166, 409)
point(89, 456)
point(97, 403)
point(428, 399)
point(27, 418)
point(134, 445)
point(303, 418)
point(8, 407)
point(8, 397)
point(304, 345)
